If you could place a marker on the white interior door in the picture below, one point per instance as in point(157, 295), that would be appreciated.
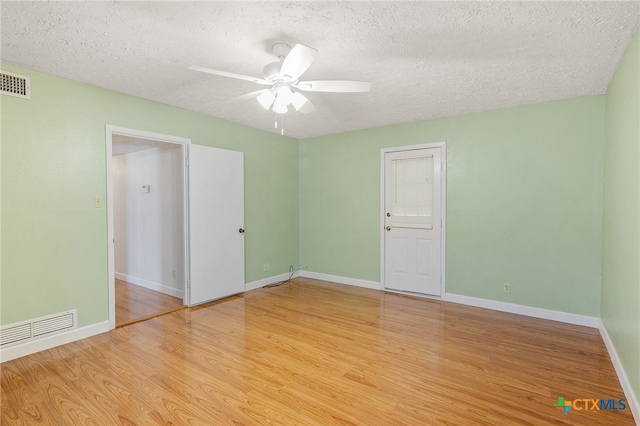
point(413, 220)
point(216, 223)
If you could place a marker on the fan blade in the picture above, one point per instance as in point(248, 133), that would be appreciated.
point(341, 86)
point(246, 97)
point(297, 61)
point(230, 74)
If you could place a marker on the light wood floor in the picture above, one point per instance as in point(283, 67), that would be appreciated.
point(135, 303)
point(318, 353)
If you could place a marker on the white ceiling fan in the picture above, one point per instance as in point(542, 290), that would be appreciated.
point(283, 77)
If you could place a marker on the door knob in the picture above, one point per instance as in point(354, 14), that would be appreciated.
point(241, 230)
point(388, 214)
point(388, 228)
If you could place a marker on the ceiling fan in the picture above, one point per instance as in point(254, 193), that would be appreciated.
point(283, 77)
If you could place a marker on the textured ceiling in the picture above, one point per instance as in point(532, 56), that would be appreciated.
point(425, 59)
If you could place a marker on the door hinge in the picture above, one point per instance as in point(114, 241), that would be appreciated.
point(186, 161)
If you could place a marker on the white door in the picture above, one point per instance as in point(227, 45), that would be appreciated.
point(216, 223)
point(413, 220)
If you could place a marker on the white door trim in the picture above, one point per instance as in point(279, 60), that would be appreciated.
point(115, 130)
point(443, 240)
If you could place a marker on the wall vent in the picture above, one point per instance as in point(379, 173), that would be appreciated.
point(24, 331)
point(15, 85)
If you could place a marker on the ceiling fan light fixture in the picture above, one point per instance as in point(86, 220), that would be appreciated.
point(266, 99)
point(284, 96)
point(298, 100)
point(280, 108)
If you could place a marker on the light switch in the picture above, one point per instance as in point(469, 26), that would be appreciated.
point(97, 202)
point(146, 188)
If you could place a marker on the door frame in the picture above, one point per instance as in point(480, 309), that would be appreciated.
point(443, 208)
point(159, 137)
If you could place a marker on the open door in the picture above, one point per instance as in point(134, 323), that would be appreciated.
point(216, 224)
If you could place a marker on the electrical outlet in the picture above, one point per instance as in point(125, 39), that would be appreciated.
point(507, 288)
point(97, 202)
point(306, 268)
point(266, 267)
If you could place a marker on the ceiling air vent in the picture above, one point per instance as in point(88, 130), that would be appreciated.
point(15, 85)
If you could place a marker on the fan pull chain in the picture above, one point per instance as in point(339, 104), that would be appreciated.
point(275, 123)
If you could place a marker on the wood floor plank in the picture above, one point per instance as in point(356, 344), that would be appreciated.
point(136, 303)
point(318, 353)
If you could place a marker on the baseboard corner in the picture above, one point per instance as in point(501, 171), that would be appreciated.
point(630, 395)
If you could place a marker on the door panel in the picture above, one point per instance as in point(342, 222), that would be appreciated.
point(399, 253)
point(424, 268)
point(216, 215)
point(412, 240)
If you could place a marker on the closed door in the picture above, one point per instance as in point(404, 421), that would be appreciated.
point(413, 220)
point(216, 223)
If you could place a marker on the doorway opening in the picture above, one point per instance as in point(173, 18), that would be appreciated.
point(146, 193)
point(189, 242)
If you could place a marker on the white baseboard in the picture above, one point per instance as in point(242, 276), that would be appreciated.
point(266, 281)
point(33, 346)
point(472, 301)
point(171, 291)
point(342, 280)
point(631, 397)
point(529, 311)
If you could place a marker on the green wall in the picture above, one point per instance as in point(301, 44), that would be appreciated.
point(524, 202)
point(620, 308)
point(54, 242)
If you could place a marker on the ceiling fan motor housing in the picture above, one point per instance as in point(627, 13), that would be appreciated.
point(272, 71)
